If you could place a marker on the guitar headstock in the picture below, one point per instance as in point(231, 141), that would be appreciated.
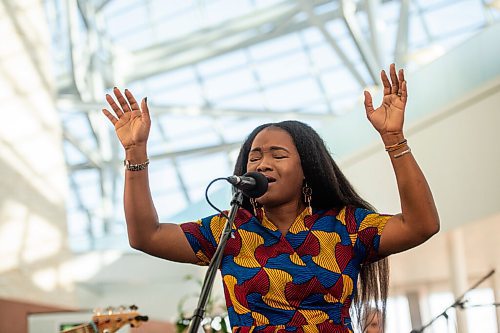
point(112, 319)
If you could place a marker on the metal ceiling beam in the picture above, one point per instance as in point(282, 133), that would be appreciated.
point(319, 23)
point(401, 49)
point(240, 33)
point(365, 50)
point(94, 159)
point(83, 209)
point(215, 34)
point(199, 151)
point(182, 183)
point(178, 173)
point(374, 21)
point(316, 75)
point(89, 83)
point(100, 4)
point(69, 105)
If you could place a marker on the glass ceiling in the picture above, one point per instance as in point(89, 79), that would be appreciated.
point(212, 71)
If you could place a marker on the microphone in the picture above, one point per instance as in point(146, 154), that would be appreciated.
point(252, 184)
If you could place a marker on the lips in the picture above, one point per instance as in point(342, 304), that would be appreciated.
point(270, 179)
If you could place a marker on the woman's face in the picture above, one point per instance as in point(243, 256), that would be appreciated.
point(274, 154)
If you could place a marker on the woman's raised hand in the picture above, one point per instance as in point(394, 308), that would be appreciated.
point(132, 123)
point(389, 116)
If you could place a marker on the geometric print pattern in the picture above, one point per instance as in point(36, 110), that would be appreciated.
point(303, 281)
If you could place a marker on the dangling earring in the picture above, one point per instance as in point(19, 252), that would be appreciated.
point(307, 192)
point(255, 206)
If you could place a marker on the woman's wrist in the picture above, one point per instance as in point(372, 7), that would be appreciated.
point(393, 138)
point(396, 144)
point(136, 154)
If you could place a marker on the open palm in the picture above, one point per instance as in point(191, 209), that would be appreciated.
point(132, 123)
point(388, 118)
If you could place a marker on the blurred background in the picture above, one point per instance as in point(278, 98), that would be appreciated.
point(213, 70)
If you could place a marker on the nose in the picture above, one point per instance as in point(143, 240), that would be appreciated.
point(264, 164)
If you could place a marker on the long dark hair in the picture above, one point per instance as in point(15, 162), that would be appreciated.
point(330, 189)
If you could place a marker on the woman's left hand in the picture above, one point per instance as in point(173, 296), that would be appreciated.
point(389, 116)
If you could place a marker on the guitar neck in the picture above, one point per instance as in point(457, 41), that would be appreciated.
point(84, 328)
point(109, 323)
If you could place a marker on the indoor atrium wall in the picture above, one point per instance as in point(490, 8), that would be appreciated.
point(33, 182)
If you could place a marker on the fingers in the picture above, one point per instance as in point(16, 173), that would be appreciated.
point(127, 103)
point(394, 79)
point(368, 103)
point(118, 111)
point(123, 102)
point(131, 99)
point(402, 84)
point(144, 108)
point(397, 84)
point(404, 92)
point(401, 77)
point(110, 116)
point(385, 82)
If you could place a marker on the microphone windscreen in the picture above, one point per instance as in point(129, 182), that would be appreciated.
point(260, 184)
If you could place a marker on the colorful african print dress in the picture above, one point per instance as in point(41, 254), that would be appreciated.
point(303, 281)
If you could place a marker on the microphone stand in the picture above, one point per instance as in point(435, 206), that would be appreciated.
point(459, 302)
point(199, 313)
point(482, 305)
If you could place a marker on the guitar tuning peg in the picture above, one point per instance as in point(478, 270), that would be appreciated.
point(97, 311)
point(133, 307)
point(109, 310)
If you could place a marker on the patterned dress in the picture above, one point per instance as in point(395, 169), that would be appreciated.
point(303, 281)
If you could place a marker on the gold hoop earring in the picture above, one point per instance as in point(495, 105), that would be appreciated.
point(307, 192)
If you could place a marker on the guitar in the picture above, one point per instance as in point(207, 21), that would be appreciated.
point(110, 322)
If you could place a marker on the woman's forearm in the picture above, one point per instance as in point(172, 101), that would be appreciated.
point(140, 213)
point(417, 203)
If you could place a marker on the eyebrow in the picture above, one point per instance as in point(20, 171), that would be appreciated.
point(258, 149)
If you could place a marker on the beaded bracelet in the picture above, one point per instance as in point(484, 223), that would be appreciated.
point(135, 167)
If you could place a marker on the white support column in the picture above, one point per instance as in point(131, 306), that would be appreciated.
point(458, 273)
point(414, 305)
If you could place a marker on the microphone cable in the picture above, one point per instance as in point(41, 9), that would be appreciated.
point(208, 199)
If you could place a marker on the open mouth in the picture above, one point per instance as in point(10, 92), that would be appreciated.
point(270, 179)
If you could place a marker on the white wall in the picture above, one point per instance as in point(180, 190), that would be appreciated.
point(32, 168)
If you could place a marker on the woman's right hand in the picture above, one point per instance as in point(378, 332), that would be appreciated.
point(132, 123)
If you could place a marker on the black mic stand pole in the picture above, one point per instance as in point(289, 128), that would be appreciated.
point(199, 313)
point(458, 303)
point(483, 305)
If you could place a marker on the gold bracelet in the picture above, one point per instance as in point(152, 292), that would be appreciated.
point(135, 167)
point(398, 155)
point(396, 146)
